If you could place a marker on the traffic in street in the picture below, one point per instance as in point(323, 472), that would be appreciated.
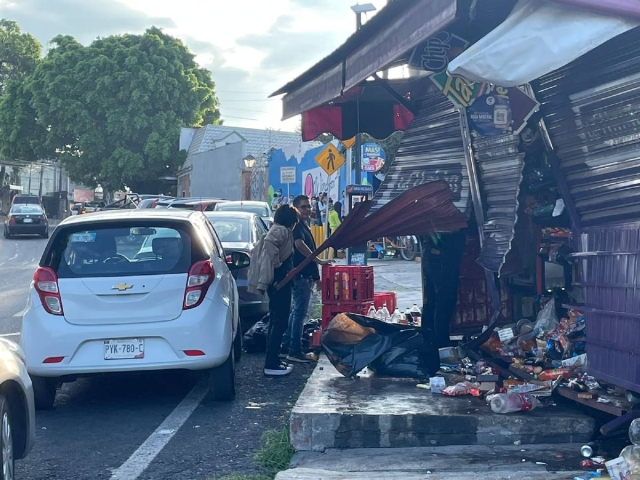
point(142, 425)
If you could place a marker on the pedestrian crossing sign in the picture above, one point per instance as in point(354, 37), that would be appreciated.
point(330, 159)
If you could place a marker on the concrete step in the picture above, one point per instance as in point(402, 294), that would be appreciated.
point(314, 474)
point(453, 462)
point(372, 412)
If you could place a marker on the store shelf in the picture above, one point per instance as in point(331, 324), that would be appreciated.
point(610, 408)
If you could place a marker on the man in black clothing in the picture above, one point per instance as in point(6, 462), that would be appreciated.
point(304, 245)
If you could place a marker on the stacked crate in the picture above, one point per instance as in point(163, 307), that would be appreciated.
point(346, 289)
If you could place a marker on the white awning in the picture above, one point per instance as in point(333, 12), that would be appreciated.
point(537, 38)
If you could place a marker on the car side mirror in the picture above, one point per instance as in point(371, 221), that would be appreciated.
point(237, 260)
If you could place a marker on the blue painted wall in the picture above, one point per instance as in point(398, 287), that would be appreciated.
point(310, 178)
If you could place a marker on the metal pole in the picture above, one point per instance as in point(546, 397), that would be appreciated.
point(358, 21)
point(358, 155)
point(40, 183)
point(29, 179)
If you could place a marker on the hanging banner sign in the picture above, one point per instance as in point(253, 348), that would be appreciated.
point(490, 114)
point(373, 157)
point(435, 54)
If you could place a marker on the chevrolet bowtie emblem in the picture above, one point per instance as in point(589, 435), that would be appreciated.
point(121, 287)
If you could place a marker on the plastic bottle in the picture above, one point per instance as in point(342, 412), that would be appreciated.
point(513, 402)
point(380, 314)
point(346, 294)
point(416, 314)
point(386, 316)
point(372, 312)
point(396, 317)
point(408, 316)
point(336, 286)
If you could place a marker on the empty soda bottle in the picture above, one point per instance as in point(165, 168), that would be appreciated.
point(372, 312)
point(416, 315)
point(407, 316)
point(386, 316)
point(396, 317)
point(513, 402)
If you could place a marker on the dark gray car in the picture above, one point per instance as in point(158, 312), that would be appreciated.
point(240, 232)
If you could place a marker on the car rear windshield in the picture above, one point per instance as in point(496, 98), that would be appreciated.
point(106, 251)
point(231, 229)
point(185, 206)
point(26, 199)
point(26, 210)
point(236, 207)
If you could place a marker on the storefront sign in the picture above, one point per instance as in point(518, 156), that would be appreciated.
point(373, 157)
point(435, 54)
point(490, 114)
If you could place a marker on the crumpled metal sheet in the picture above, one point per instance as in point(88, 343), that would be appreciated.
point(432, 149)
point(591, 112)
point(499, 166)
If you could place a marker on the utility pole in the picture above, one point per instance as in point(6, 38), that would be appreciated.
point(40, 184)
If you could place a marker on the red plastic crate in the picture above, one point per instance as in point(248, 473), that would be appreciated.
point(380, 298)
point(357, 279)
point(331, 310)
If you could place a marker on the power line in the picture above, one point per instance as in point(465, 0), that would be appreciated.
point(239, 118)
point(238, 91)
point(250, 100)
point(244, 110)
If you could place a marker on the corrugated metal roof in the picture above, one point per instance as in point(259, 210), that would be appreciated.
point(500, 169)
point(591, 109)
point(432, 149)
point(258, 141)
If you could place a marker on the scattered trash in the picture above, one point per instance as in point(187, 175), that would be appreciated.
point(517, 442)
point(437, 384)
point(462, 388)
point(424, 386)
point(588, 476)
point(513, 402)
point(618, 469)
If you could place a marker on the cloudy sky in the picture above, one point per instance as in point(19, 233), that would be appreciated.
point(252, 47)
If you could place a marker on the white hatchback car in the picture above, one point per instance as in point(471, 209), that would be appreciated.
point(132, 290)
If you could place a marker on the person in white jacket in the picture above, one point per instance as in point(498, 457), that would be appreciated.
point(272, 260)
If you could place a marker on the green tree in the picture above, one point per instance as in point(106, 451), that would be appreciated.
point(19, 55)
point(113, 110)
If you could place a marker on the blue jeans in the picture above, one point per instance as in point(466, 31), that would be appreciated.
point(301, 298)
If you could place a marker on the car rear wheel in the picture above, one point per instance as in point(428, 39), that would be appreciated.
point(6, 441)
point(44, 392)
point(6, 234)
point(237, 345)
point(45, 234)
point(223, 379)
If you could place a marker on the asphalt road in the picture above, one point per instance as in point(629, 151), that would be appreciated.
point(150, 426)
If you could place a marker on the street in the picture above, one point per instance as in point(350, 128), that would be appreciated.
point(103, 427)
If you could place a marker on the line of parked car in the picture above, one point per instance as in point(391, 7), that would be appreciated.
point(161, 285)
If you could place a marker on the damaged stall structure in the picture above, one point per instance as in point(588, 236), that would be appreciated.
point(529, 112)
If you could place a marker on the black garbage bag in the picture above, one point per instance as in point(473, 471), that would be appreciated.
point(353, 342)
point(255, 340)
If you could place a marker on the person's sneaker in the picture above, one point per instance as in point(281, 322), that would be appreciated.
point(283, 352)
point(302, 357)
point(281, 370)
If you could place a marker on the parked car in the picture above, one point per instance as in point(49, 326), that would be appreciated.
point(26, 199)
point(164, 202)
point(152, 202)
point(27, 219)
point(240, 232)
point(93, 206)
point(259, 208)
point(200, 204)
point(17, 412)
point(78, 209)
point(100, 303)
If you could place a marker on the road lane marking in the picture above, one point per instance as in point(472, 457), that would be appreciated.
point(20, 313)
point(9, 334)
point(138, 462)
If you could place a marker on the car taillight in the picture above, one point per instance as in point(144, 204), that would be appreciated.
point(12, 221)
point(200, 278)
point(45, 282)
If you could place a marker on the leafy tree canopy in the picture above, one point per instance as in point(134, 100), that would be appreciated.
point(19, 53)
point(113, 109)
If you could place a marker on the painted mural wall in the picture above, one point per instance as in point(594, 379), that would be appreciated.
point(310, 178)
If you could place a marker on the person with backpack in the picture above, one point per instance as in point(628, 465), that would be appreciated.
point(272, 260)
